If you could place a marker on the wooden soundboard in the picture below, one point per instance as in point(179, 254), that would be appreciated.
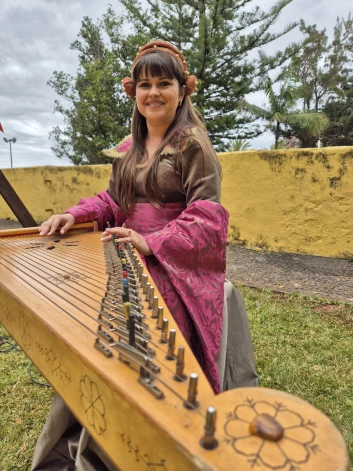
point(139, 403)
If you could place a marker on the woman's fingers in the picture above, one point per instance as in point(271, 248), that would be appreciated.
point(51, 225)
point(106, 237)
point(124, 240)
point(67, 226)
point(118, 231)
point(127, 235)
point(48, 227)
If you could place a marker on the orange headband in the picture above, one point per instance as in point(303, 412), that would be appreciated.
point(191, 80)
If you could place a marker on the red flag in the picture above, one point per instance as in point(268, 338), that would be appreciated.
point(1, 128)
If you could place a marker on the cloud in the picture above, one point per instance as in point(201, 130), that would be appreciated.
point(37, 35)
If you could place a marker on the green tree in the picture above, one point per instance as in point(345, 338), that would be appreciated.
point(222, 41)
point(340, 113)
point(98, 115)
point(280, 111)
point(319, 68)
point(237, 145)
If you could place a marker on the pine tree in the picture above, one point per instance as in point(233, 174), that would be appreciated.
point(99, 114)
point(222, 41)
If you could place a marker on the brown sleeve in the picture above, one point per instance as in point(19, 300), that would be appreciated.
point(200, 174)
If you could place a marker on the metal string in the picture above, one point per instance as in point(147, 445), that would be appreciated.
point(53, 256)
point(101, 339)
point(154, 375)
point(87, 295)
point(148, 319)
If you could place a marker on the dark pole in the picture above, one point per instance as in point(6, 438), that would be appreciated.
point(15, 203)
point(9, 141)
point(11, 153)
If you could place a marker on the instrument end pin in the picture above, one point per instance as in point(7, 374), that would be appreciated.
point(208, 441)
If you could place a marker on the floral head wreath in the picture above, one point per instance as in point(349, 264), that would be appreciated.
point(190, 80)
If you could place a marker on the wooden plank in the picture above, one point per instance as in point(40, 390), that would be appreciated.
point(15, 203)
point(84, 226)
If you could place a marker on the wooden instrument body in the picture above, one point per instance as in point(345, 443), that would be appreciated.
point(50, 294)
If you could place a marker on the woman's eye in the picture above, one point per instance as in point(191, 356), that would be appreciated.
point(164, 84)
point(144, 85)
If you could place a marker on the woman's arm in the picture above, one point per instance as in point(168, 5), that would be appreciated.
point(101, 208)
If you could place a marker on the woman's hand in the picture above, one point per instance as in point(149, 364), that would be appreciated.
point(127, 235)
point(49, 227)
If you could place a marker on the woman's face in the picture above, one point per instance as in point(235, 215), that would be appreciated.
point(157, 99)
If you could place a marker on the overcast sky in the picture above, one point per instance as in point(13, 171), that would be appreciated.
point(35, 36)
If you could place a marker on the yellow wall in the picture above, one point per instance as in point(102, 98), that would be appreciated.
point(50, 190)
point(298, 200)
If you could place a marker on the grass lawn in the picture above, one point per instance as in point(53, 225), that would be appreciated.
point(303, 346)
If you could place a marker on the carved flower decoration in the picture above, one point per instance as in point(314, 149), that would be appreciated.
point(93, 405)
point(24, 330)
point(294, 448)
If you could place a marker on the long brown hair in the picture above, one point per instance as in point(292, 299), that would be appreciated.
point(158, 64)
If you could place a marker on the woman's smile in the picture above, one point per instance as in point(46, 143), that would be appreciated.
point(155, 104)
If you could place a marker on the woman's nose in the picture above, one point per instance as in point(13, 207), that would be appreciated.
point(154, 90)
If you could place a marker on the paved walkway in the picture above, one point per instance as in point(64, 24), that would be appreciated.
point(328, 278)
point(5, 224)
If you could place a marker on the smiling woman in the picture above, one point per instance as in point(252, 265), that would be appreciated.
point(164, 198)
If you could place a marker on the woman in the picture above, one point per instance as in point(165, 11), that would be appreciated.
point(164, 197)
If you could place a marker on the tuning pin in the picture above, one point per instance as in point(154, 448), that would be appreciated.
point(140, 271)
point(160, 317)
point(150, 295)
point(147, 290)
point(208, 441)
point(191, 402)
point(164, 334)
point(180, 365)
point(155, 307)
point(127, 310)
point(144, 281)
point(171, 345)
